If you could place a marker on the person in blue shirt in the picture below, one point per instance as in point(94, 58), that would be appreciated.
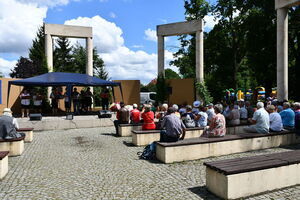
point(287, 116)
point(297, 117)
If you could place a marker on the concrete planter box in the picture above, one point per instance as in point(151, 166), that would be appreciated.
point(3, 164)
point(15, 147)
point(142, 138)
point(193, 149)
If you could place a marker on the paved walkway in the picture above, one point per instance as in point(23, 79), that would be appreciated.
point(93, 164)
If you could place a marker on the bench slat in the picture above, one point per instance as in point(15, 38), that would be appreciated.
point(25, 129)
point(3, 154)
point(241, 165)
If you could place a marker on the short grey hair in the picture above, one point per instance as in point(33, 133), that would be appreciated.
point(147, 107)
point(218, 108)
point(287, 104)
point(297, 105)
point(165, 106)
point(260, 105)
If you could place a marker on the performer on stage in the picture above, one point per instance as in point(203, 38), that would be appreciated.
point(25, 102)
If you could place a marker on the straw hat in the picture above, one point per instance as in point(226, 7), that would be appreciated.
point(7, 112)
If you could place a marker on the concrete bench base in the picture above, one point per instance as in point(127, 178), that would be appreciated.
point(237, 178)
point(125, 129)
point(3, 164)
point(28, 134)
point(194, 149)
point(15, 148)
point(147, 137)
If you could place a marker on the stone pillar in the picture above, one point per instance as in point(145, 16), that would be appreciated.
point(282, 54)
point(161, 55)
point(49, 52)
point(49, 58)
point(89, 56)
point(199, 56)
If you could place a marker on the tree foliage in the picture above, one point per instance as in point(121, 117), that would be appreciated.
point(62, 56)
point(36, 63)
point(240, 50)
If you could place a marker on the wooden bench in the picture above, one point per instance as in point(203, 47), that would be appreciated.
point(3, 163)
point(197, 148)
point(28, 133)
point(241, 177)
point(14, 146)
point(145, 137)
point(125, 129)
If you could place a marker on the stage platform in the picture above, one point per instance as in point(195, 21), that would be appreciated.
point(61, 123)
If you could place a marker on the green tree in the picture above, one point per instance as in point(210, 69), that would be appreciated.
point(36, 63)
point(62, 56)
point(170, 74)
point(161, 89)
point(185, 57)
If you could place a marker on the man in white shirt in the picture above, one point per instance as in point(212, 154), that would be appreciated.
point(275, 119)
point(260, 120)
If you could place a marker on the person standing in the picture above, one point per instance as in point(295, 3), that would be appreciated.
point(67, 102)
point(88, 95)
point(75, 99)
point(37, 102)
point(105, 96)
point(54, 100)
point(25, 103)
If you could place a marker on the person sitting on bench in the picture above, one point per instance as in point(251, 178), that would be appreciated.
point(260, 120)
point(297, 117)
point(8, 126)
point(148, 118)
point(122, 117)
point(275, 119)
point(173, 127)
point(217, 125)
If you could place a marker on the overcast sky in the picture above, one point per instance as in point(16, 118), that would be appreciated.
point(123, 30)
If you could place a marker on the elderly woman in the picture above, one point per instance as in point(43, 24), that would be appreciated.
point(148, 118)
point(217, 126)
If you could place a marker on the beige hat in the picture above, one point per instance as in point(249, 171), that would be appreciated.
point(7, 112)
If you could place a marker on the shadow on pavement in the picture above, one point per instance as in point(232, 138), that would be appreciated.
point(202, 192)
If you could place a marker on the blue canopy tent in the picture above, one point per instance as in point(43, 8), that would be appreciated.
point(63, 79)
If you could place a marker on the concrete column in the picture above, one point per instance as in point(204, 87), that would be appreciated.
point(49, 52)
point(199, 56)
point(282, 54)
point(161, 55)
point(49, 58)
point(89, 56)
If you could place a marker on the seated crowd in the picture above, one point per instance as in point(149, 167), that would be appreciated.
point(174, 119)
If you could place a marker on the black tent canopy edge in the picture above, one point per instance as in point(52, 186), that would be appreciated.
point(69, 80)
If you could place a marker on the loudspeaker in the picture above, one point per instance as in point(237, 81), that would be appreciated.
point(35, 117)
point(104, 114)
point(69, 116)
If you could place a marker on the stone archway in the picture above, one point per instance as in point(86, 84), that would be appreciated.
point(282, 7)
point(58, 30)
point(180, 28)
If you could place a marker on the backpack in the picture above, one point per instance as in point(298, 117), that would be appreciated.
point(148, 153)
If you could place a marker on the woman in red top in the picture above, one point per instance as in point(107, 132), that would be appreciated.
point(148, 117)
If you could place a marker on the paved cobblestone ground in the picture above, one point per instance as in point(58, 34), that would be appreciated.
point(94, 164)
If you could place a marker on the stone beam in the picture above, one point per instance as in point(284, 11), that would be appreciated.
point(68, 31)
point(286, 3)
point(179, 28)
